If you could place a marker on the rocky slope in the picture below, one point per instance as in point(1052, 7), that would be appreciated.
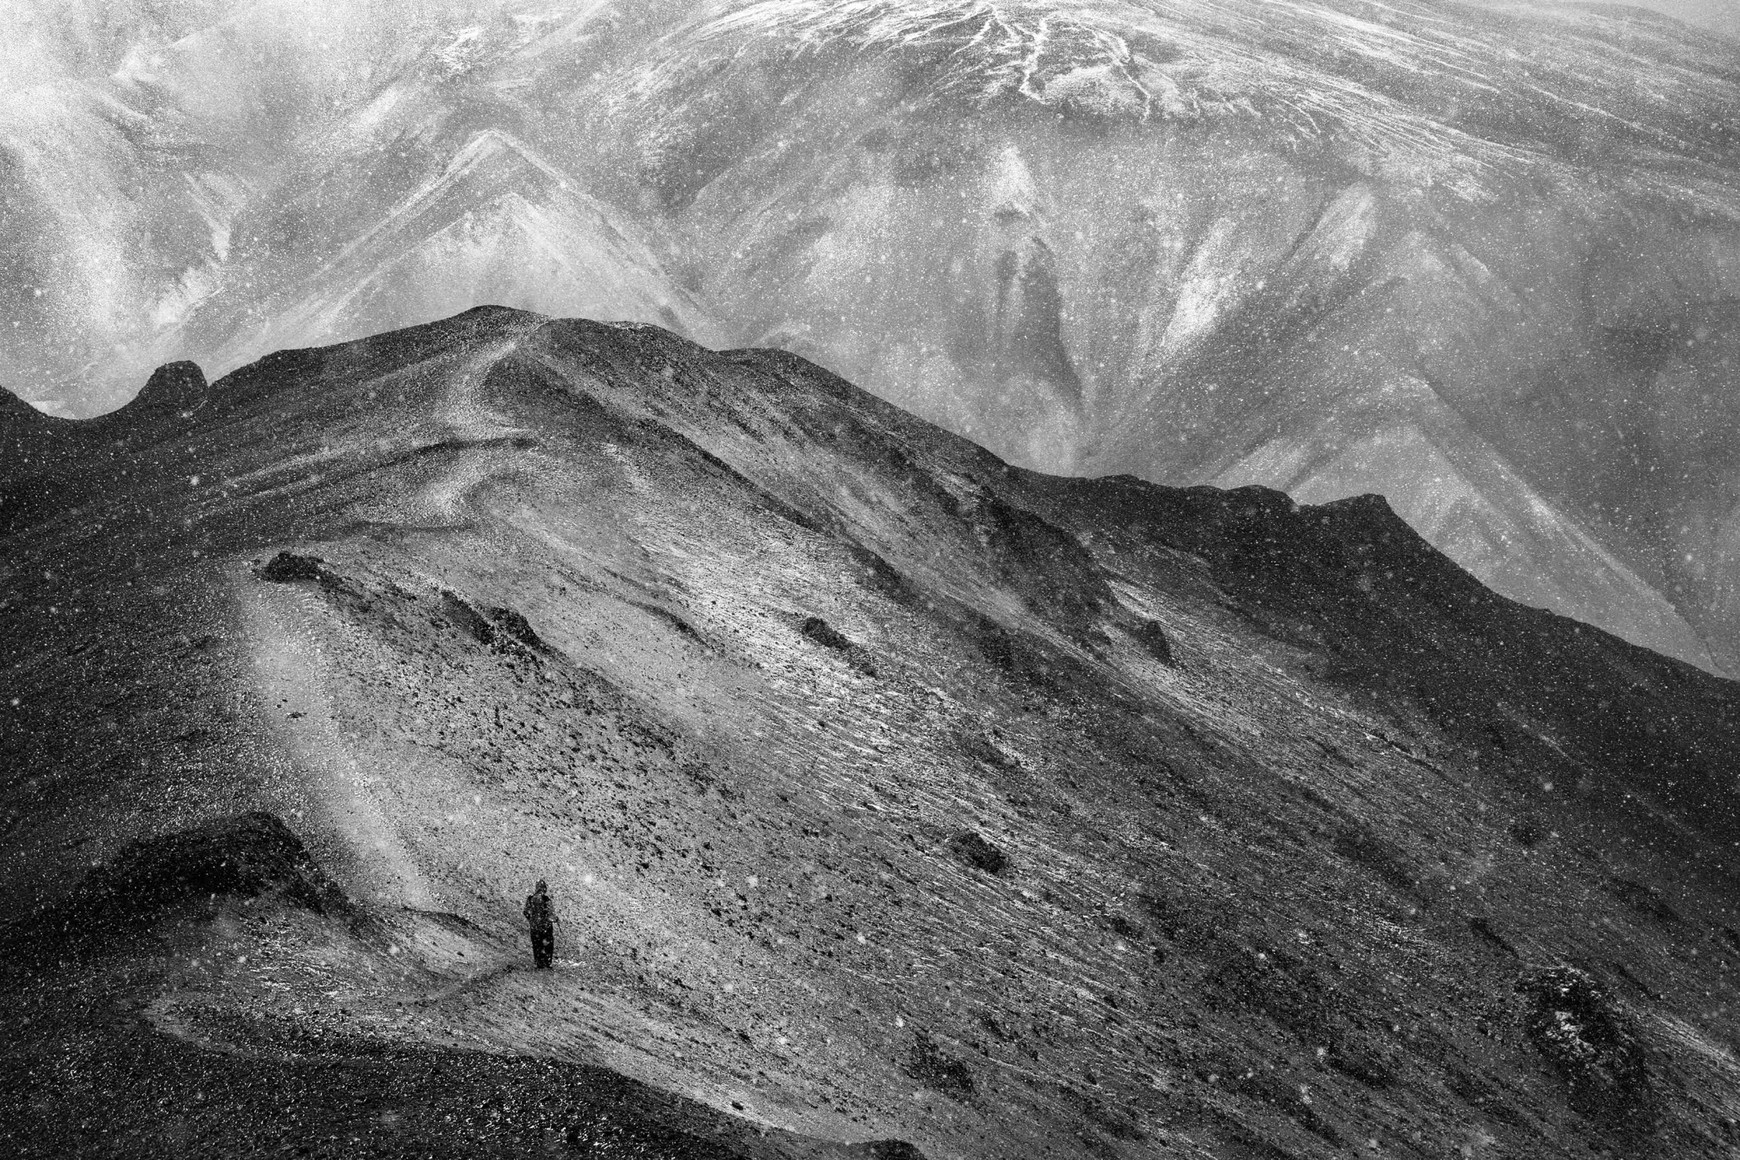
point(893, 798)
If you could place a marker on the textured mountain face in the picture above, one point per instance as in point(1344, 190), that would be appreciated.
point(887, 792)
point(1323, 252)
point(252, 176)
point(1478, 259)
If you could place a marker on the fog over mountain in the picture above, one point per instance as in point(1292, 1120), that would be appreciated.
point(1478, 258)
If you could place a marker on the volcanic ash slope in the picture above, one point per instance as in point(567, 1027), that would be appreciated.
point(888, 793)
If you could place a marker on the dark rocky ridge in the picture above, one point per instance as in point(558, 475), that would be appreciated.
point(891, 793)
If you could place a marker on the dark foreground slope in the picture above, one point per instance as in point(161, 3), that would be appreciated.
point(888, 793)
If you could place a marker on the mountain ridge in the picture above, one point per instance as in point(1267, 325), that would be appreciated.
point(889, 792)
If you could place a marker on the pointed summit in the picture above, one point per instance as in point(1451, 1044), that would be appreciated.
point(176, 389)
point(499, 224)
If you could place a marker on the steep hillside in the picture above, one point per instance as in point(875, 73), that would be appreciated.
point(498, 224)
point(892, 797)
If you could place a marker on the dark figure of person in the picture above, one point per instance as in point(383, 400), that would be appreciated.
point(538, 914)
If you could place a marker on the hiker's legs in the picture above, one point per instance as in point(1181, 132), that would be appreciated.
point(543, 945)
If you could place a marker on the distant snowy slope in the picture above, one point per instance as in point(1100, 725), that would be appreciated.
point(1158, 239)
point(498, 225)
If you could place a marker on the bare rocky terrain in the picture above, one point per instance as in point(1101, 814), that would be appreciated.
point(895, 800)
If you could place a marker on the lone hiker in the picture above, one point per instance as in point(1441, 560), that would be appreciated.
point(537, 911)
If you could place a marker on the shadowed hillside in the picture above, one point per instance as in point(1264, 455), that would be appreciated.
point(892, 798)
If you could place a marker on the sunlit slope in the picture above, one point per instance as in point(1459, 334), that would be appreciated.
point(1270, 805)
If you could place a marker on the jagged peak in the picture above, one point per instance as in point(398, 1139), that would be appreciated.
point(175, 389)
point(1368, 520)
point(486, 155)
point(496, 146)
point(490, 152)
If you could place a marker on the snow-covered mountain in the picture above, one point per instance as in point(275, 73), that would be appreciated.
point(1482, 258)
point(498, 225)
point(1280, 243)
